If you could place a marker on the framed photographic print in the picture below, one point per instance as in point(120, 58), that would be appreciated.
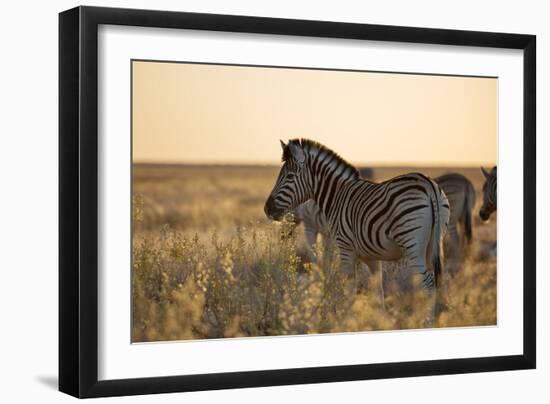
point(250, 201)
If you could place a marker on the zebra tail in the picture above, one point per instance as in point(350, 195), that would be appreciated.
point(469, 203)
point(437, 237)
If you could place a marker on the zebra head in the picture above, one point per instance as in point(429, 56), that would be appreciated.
point(489, 193)
point(294, 183)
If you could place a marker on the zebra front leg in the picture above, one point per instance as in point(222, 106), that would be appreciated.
point(348, 263)
point(364, 277)
point(375, 267)
point(311, 239)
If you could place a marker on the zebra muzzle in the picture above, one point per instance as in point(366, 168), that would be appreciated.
point(271, 211)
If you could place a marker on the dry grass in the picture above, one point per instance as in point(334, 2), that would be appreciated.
point(207, 264)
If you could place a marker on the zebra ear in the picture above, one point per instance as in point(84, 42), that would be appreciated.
point(486, 173)
point(297, 152)
point(283, 145)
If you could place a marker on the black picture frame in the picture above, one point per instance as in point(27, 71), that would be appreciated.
point(78, 201)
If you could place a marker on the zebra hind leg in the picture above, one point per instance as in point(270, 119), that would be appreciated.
point(455, 250)
point(427, 281)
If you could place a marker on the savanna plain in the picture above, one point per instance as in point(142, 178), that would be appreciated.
point(207, 263)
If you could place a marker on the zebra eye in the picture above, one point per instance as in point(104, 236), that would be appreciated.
point(290, 176)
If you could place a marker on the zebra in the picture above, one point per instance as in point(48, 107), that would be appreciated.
point(462, 197)
point(489, 194)
point(405, 216)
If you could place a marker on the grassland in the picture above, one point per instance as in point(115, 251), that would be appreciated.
point(206, 263)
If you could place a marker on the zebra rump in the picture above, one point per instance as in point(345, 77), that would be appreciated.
point(462, 198)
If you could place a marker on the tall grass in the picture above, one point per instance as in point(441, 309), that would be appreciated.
point(255, 283)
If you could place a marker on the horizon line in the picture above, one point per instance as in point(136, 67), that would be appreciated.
point(278, 164)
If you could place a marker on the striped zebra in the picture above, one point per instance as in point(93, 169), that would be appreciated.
point(489, 194)
point(405, 216)
point(462, 197)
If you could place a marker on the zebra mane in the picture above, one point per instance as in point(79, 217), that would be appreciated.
point(310, 146)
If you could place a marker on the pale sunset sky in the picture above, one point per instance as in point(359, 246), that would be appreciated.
point(216, 114)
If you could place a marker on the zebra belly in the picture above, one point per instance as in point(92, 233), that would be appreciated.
point(390, 251)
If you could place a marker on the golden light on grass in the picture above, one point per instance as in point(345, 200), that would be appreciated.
point(208, 264)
